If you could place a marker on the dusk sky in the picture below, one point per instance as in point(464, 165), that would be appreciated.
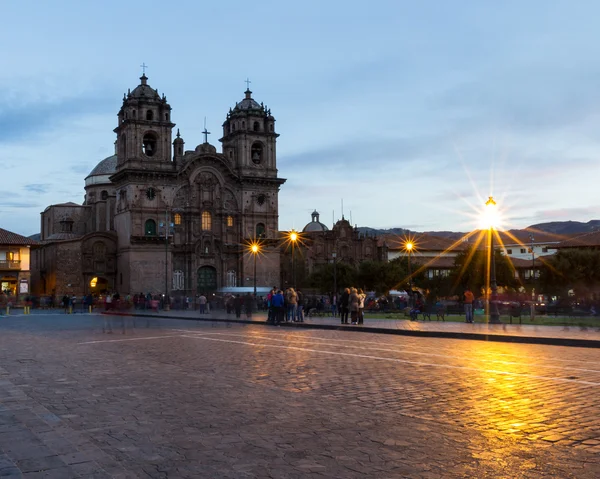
point(411, 112)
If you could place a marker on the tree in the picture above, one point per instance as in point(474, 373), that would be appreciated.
point(322, 276)
point(471, 270)
point(577, 270)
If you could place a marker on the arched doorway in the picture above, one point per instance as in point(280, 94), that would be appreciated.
point(207, 279)
point(98, 285)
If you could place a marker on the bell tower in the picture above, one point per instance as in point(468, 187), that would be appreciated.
point(249, 138)
point(144, 129)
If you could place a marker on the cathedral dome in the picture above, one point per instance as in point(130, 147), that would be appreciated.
point(248, 103)
point(103, 170)
point(144, 91)
point(315, 225)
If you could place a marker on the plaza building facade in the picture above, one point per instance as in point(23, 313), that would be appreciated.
point(15, 264)
point(161, 219)
point(318, 245)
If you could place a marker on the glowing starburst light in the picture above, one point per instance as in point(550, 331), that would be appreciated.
point(491, 217)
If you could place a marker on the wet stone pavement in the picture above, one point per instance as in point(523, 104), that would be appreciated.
point(180, 399)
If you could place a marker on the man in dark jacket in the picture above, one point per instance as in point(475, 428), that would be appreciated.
point(344, 302)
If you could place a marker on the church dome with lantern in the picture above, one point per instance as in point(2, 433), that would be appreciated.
point(315, 225)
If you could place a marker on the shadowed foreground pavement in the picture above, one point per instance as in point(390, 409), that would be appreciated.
point(173, 399)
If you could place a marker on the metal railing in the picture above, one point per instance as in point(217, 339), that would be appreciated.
point(10, 264)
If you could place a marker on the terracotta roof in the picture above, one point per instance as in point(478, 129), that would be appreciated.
point(522, 237)
point(584, 240)
point(8, 237)
point(425, 242)
point(526, 263)
point(435, 262)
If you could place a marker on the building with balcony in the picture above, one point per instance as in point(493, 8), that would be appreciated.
point(15, 255)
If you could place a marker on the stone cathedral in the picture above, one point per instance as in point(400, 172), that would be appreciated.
point(157, 217)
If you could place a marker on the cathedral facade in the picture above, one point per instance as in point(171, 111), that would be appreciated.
point(160, 219)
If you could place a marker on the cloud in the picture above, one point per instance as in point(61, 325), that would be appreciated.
point(38, 187)
point(28, 121)
point(18, 204)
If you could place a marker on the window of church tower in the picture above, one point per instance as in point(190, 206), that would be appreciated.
point(149, 115)
point(256, 153)
point(270, 127)
point(150, 228)
point(256, 126)
point(122, 146)
point(166, 116)
point(243, 125)
point(230, 221)
point(149, 144)
point(206, 221)
point(177, 219)
point(260, 230)
point(104, 195)
point(134, 113)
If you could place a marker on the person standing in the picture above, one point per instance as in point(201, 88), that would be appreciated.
point(238, 303)
point(202, 303)
point(354, 300)
point(361, 306)
point(248, 305)
point(292, 304)
point(468, 302)
point(300, 307)
point(277, 305)
point(344, 301)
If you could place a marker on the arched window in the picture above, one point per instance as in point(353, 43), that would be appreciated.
point(231, 279)
point(177, 219)
point(134, 113)
point(256, 126)
point(260, 230)
point(150, 228)
point(149, 115)
point(230, 221)
point(167, 116)
point(270, 127)
point(257, 153)
point(104, 195)
point(149, 144)
point(206, 221)
point(243, 125)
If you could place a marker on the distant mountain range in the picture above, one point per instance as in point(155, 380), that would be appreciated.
point(554, 227)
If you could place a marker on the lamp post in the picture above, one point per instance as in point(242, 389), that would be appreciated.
point(334, 256)
point(408, 246)
point(254, 248)
point(168, 225)
point(492, 216)
point(533, 292)
point(293, 239)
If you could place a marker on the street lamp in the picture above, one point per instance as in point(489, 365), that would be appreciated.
point(254, 249)
point(491, 218)
point(293, 237)
point(408, 247)
point(334, 256)
point(168, 225)
point(533, 292)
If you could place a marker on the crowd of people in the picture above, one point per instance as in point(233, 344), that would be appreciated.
point(285, 306)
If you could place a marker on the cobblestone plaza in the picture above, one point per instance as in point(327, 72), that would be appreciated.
point(175, 399)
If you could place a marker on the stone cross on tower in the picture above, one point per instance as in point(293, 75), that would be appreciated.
point(247, 83)
point(205, 132)
point(143, 67)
